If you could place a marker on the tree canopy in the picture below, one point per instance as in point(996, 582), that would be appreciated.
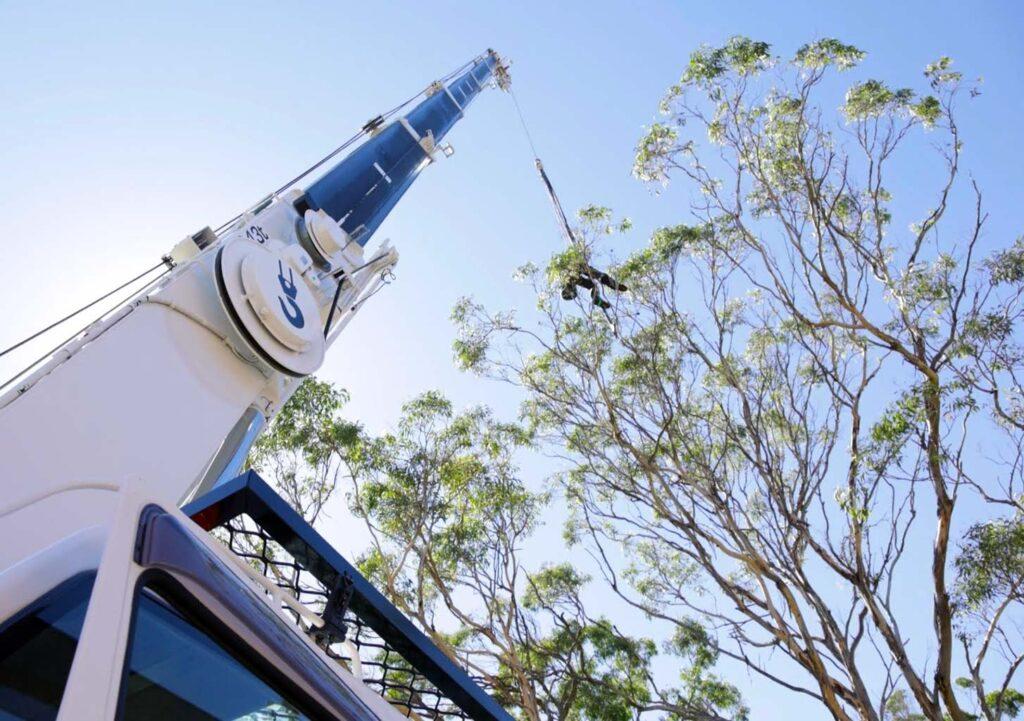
point(448, 517)
point(807, 392)
point(791, 428)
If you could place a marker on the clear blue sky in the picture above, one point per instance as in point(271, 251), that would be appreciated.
point(126, 126)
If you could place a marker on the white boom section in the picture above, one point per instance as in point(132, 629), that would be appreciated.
point(148, 395)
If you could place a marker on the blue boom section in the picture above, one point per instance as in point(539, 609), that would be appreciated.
point(362, 189)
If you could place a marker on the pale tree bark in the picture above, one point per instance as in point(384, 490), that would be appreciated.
point(779, 418)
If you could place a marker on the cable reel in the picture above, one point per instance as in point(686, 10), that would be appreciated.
point(262, 289)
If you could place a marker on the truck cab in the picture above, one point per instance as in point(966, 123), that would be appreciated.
point(230, 608)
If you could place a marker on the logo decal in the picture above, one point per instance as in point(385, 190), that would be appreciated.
point(291, 311)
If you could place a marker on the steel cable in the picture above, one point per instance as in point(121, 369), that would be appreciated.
point(348, 143)
point(11, 379)
point(85, 307)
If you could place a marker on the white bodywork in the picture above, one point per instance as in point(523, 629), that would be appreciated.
point(93, 689)
point(133, 412)
point(151, 391)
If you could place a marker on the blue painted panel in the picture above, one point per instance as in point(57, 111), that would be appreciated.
point(356, 193)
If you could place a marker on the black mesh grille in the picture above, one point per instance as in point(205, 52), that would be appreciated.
point(383, 668)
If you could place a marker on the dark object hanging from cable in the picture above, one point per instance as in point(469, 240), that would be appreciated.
point(590, 278)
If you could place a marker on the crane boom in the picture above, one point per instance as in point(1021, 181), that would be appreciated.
point(168, 390)
point(362, 189)
point(115, 602)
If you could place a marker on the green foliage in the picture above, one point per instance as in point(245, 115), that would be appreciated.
point(599, 218)
point(691, 641)
point(928, 110)
point(566, 264)
point(308, 424)
point(449, 514)
point(553, 586)
point(468, 356)
point(990, 566)
point(827, 52)
point(1007, 266)
point(653, 151)
point(1010, 701)
point(664, 248)
point(298, 453)
point(605, 678)
point(785, 340)
point(939, 73)
point(470, 347)
point(779, 157)
point(898, 419)
point(739, 55)
point(872, 98)
point(989, 326)
point(445, 479)
point(898, 708)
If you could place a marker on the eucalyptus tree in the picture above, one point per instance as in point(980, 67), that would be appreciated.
point(450, 523)
point(800, 404)
point(301, 451)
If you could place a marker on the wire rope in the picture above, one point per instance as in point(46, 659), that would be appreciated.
point(375, 122)
point(348, 143)
point(11, 379)
point(83, 308)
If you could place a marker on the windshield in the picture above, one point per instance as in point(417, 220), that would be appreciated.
point(177, 671)
point(36, 650)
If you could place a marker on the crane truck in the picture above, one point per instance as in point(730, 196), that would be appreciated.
point(143, 574)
